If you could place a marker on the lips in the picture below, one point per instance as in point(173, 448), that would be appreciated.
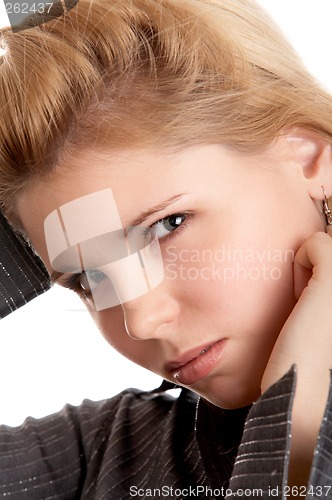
point(196, 364)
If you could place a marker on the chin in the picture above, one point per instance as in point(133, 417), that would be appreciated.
point(232, 398)
point(232, 404)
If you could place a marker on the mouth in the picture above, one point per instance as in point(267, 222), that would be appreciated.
point(195, 364)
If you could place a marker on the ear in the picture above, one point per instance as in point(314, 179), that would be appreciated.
point(313, 153)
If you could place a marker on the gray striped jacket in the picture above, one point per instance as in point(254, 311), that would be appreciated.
point(152, 445)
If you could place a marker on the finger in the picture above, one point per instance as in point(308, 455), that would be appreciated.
point(302, 276)
point(315, 251)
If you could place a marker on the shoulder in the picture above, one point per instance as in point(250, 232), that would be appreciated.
point(92, 432)
point(131, 401)
point(91, 421)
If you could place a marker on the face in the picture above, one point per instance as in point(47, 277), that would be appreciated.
point(228, 227)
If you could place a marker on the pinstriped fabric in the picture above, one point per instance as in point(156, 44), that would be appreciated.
point(22, 274)
point(263, 455)
point(219, 434)
point(151, 440)
point(321, 473)
point(98, 450)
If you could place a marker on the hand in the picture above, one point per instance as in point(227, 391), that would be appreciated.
point(306, 340)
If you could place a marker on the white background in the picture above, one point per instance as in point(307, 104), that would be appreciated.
point(50, 351)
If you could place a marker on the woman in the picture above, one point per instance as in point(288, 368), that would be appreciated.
point(152, 152)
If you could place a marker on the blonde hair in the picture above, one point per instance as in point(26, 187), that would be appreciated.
point(164, 73)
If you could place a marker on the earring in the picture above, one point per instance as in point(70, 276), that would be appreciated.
point(327, 211)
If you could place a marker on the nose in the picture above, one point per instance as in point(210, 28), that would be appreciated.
point(152, 316)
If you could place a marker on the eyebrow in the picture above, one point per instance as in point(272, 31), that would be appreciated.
point(55, 276)
point(142, 217)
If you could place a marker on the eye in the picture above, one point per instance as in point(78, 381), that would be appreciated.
point(89, 280)
point(83, 283)
point(166, 226)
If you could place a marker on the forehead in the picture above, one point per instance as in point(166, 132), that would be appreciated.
point(81, 175)
point(125, 172)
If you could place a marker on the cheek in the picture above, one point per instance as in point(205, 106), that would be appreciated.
point(239, 289)
point(261, 296)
